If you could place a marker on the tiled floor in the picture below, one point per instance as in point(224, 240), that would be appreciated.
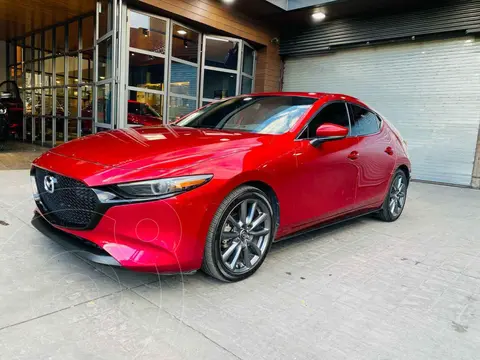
point(362, 290)
point(15, 155)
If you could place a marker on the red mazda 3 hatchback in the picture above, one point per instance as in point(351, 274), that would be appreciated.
point(215, 189)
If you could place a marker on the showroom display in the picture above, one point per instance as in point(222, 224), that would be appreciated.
point(217, 187)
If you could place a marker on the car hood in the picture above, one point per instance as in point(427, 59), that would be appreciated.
point(162, 147)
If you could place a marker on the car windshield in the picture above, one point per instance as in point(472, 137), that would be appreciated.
point(256, 114)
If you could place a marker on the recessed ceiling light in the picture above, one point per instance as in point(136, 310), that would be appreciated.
point(182, 32)
point(228, 1)
point(318, 16)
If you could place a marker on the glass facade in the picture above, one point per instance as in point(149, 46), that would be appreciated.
point(88, 75)
point(51, 73)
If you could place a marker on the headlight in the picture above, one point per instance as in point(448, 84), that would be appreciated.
point(33, 182)
point(162, 187)
point(3, 111)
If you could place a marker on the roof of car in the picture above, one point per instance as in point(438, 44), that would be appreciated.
point(316, 95)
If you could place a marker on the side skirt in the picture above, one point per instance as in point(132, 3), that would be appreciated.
point(328, 223)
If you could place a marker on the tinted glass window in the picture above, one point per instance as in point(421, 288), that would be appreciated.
point(335, 113)
point(364, 122)
point(134, 108)
point(257, 114)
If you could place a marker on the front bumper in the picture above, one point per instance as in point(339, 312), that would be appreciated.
point(81, 247)
point(163, 236)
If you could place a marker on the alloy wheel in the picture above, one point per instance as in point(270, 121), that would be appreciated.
point(245, 235)
point(398, 194)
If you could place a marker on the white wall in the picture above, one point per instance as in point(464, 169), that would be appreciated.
point(3, 61)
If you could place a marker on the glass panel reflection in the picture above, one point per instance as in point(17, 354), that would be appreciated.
point(87, 66)
point(59, 131)
point(248, 59)
point(48, 130)
point(183, 79)
point(72, 101)
point(105, 17)
point(87, 102)
point(48, 69)
point(147, 32)
point(146, 71)
point(60, 70)
point(178, 107)
point(221, 53)
point(184, 43)
point(104, 104)
point(72, 69)
point(28, 75)
point(144, 108)
point(37, 123)
point(246, 85)
point(219, 85)
point(105, 59)
point(37, 102)
point(60, 99)
point(28, 102)
point(37, 70)
point(86, 127)
point(48, 102)
point(28, 128)
point(72, 129)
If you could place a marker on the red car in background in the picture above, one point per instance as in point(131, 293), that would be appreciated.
point(141, 114)
point(11, 111)
point(214, 190)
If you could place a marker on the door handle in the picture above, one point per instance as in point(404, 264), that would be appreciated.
point(389, 150)
point(353, 155)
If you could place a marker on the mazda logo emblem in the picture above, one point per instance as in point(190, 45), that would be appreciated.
point(49, 183)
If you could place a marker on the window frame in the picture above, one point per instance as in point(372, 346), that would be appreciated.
point(351, 115)
point(298, 137)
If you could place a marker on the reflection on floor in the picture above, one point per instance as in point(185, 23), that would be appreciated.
point(15, 155)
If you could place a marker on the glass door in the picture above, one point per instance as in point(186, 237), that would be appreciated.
point(228, 68)
point(248, 69)
point(104, 66)
point(184, 71)
point(221, 68)
point(146, 68)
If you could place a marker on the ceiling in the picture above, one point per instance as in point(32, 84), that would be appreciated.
point(349, 9)
point(20, 17)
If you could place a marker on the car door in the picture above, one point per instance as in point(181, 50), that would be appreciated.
point(376, 156)
point(326, 176)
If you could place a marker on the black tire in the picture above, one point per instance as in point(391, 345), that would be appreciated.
point(213, 264)
point(385, 213)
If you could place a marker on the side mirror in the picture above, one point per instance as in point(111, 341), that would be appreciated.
point(329, 132)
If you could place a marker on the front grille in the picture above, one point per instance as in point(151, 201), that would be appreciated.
point(72, 204)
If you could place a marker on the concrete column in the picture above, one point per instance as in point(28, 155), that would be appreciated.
point(476, 165)
point(3, 61)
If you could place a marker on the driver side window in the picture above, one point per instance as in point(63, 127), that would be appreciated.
point(335, 113)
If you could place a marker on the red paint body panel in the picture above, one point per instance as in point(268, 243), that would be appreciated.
point(312, 184)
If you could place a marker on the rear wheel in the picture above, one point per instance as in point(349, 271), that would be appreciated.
point(396, 197)
point(240, 235)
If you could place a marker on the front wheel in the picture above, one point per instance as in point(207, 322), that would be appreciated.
point(396, 197)
point(240, 235)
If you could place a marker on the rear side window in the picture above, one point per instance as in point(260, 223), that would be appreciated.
point(364, 122)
